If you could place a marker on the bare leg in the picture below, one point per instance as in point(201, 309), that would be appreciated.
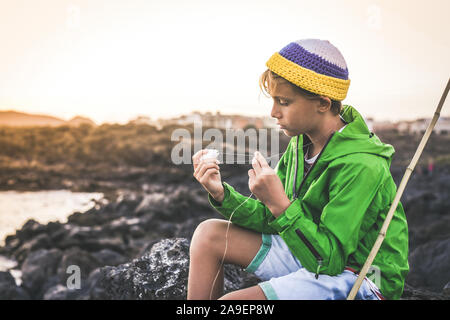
point(206, 252)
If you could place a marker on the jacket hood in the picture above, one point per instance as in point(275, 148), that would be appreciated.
point(355, 138)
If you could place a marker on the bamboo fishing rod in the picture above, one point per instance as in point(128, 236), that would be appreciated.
point(401, 188)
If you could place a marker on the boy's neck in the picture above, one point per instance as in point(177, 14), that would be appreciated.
point(320, 136)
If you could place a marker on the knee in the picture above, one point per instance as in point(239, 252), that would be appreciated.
point(207, 235)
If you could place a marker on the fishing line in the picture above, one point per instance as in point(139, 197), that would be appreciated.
point(248, 156)
point(226, 245)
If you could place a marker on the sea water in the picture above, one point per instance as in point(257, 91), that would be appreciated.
point(16, 208)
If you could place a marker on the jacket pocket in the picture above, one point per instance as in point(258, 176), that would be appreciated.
point(313, 250)
point(308, 256)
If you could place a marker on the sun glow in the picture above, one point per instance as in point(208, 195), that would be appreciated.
point(112, 61)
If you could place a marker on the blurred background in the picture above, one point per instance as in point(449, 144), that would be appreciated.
point(91, 92)
point(112, 60)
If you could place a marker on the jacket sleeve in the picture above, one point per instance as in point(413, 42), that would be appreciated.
point(249, 213)
point(325, 247)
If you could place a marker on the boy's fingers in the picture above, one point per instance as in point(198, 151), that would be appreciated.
point(256, 166)
point(210, 171)
point(206, 166)
point(203, 163)
point(262, 161)
point(251, 173)
point(198, 154)
point(196, 157)
point(197, 168)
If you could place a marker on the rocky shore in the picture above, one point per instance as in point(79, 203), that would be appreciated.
point(136, 245)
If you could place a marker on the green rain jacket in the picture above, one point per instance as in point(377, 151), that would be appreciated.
point(341, 205)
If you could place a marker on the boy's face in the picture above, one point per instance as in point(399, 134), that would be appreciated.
point(294, 113)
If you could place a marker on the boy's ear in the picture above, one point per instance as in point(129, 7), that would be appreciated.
point(324, 104)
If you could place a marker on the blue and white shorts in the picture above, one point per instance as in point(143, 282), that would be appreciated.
point(285, 278)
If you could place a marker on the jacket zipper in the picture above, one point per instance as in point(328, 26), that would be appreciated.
point(313, 250)
point(308, 244)
point(295, 194)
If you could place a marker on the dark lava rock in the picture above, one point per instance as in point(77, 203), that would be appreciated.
point(9, 290)
point(30, 229)
point(40, 241)
point(161, 273)
point(410, 293)
point(429, 265)
point(89, 290)
point(79, 258)
point(60, 292)
point(109, 257)
point(446, 290)
point(39, 271)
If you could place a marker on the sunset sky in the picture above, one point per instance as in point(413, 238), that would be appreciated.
point(113, 60)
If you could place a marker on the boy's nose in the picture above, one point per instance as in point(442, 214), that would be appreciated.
point(275, 113)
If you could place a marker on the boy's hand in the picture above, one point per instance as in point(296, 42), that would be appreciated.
point(207, 172)
point(266, 186)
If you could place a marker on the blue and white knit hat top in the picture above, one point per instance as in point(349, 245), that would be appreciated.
point(313, 64)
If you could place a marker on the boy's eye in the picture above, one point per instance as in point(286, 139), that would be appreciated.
point(283, 102)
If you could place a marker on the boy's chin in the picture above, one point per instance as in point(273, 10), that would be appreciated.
point(290, 133)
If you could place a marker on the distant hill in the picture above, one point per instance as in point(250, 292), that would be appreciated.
point(21, 119)
point(76, 121)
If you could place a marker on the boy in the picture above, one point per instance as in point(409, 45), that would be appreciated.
point(317, 215)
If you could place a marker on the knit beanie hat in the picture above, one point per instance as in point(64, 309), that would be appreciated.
point(314, 65)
